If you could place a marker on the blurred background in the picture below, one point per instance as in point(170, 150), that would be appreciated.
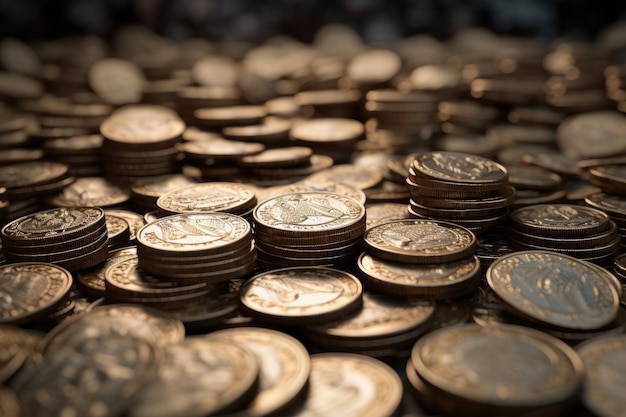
point(255, 21)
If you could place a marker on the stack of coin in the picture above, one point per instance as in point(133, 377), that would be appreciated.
point(141, 141)
point(13, 129)
point(80, 153)
point(579, 231)
point(329, 103)
point(316, 185)
point(191, 98)
point(335, 137)
point(398, 121)
point(466, 116)
point(384, 326)
point(146, 192)
point(465, 189)
point(216, 118)
point(90, 191)
point(619, 267)
point(216, 158)
point(282, 165)
point(26, 180)
point(273, 132)
point(118, 231)
point(206, 197)
point(125, 282)
point(74, 238)
point(308, 228)
point(611, 178)
point(466, 370)
point(192, 248)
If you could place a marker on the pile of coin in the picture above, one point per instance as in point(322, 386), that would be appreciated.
point(141, 141)
point(308, 228)
point(445, 365)
point(465, 189)
point(579, 231)
point(73, 238)
point(197, 247)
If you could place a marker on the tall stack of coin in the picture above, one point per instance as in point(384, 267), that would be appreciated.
point(227, 197)
point(308, 228)
point(446, 364)
point(420, 258)
point(73, 238)
point(335, 137)
point(194, 248)
point(579, 231)
point(465, 189)
point(141, 141)
point(399, 121)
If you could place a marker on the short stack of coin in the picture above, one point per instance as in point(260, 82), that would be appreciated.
point(420, 258)
point(226, 197)
point(73, 238)
point(611, 178)
point(614, 206)
point(333, 136)
point(80, 153)
point(329, 103)
point(141, 141)
point(465, 189)
point(125, 282)
point(579, 231)
point(201, 247)
point(384, 326)
point(466, 370)
point(26, 180)
point(308, 228)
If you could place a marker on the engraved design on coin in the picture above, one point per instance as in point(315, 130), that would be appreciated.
point(557, 289)
point(309, 211)
point(559, 215)
point(142, 123)
point(188, 230)
point(453, 166)
point(52, 222)
point(206, 197)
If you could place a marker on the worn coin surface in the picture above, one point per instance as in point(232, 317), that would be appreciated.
point(301, 294)
point(555, 289)
point(419, 241)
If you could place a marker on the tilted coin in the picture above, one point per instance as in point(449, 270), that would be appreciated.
point(284, 363)
point(604, 360)
point(563, 220)
point(485, 370)
point(350, 385)
point(198, 377)
point(64, 381)
point(301, 294)
point(118, 230)
point(90, 191)
point(419, 241)
point(135, 220)
point(592, 135)
point(459, 167)
point(279, 157)
point(91, 282)
point(554, 289)
point(208, 197)
point(116, 81)
point(30, 290)
point(613, 205)
point(438, 281)
point(24, 174)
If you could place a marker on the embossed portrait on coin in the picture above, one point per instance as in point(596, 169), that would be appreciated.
point(18, 289)
point(298, 291)
point(471, 168)
point(52, 221)
point(306, 211)
point(556, 287)
point(418, 237)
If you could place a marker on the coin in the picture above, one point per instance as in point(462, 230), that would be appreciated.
point(188, 373)
point(91, 282)
point(218, 148)
point(379, 213)
point(579, 297)
point(90, 191)
point(359, 177)
point(437, 281)
point(31, 290)
point(533, 178)
point(351, 385)
point(240, 115)
point(592, 135)
point(604, 361)
point(134, 220)
point(208, 197)
point(458, 167)
point(322, 186)
point(279, 157)
point(447, 360)
point(16, 346)
point(419, 241)
point(116, 81)
point(301, 295)
point(560, 220)
point(285, 367)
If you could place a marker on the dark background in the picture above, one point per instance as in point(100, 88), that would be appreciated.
point(255, 21)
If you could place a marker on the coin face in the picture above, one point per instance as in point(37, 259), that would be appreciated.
point(90, 191)
point(419, 241)
point(455, 358)
point(560, 219)
point(194, 232)
point(327, 130)
point(116, 81)
point(459, 167)
point(605, 364)
point(592, 134)
point(208, 197)
point(142, 124)
point(30, 288)
point(555, 289)
point(284, 362)
point(309, 212)
point(350, 385)
point(357, 176)
point(301, 294)
point(30, 173)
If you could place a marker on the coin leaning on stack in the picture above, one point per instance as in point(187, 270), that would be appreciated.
point(308, 228)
